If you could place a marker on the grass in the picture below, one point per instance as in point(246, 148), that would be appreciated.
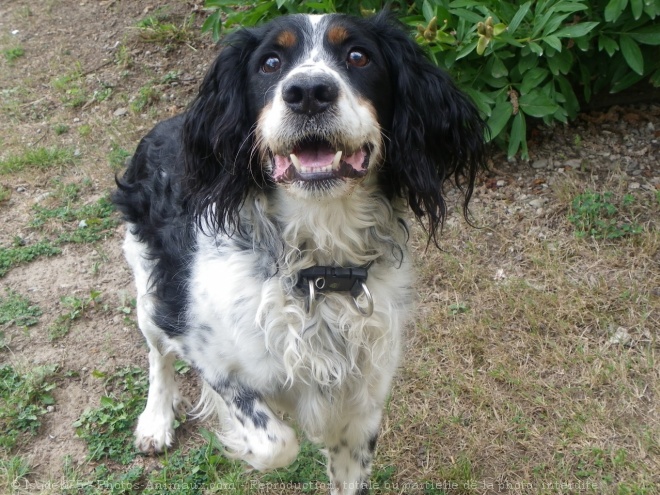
point(66, 222)
point(601, 216)
point(159, 28)
point(108, 429)
point(40, 158)
point(17, 310)
point(13, 54)
point(75, 308)
point(24, 397)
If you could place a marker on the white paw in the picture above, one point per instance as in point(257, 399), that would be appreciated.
point(154, 432)
point(264, 450)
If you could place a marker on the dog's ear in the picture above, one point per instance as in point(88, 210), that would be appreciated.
point(436, 131)
point(220, 167)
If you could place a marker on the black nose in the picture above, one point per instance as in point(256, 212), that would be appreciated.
point(310, 94)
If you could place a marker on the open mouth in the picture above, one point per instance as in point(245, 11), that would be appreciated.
point(316, 159)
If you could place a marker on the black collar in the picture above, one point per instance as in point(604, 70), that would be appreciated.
point(336, 279)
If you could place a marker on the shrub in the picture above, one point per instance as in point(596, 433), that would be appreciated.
point(537, 60)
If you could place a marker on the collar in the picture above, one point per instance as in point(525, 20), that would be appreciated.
point(338, 279)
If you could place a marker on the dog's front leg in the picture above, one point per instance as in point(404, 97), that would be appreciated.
point(250, 430)
point(350, 454)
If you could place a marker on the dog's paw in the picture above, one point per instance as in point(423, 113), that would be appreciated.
point(154, 432)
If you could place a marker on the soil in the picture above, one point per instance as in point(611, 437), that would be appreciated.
point(99, 41)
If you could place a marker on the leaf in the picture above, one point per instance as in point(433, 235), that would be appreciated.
point(632, 54)
point(518, 18)
point(576, 30)
point(428, 11)
point(498, 69)
point(518, 134)
point(533, 78)
point(608, 44)
point(499, 118)
point(537, 104)
point(553, 42)
point(614, 9)
point(481, 100)
point(637, 7)
point(648, 35)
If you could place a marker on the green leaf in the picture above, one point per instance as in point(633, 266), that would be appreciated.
point(637, 7)
point(648, 35)
point(499, 118)
point(482, 101)
point(518, 134)
point(553, 42)
point(608, 44)
point(632, 54)
point(497, 68)
point(537, 104)
point(535, 48)
point(614, 9)
point(533, 79)
point(518, 18)
point(576, 30)
point(428, 11)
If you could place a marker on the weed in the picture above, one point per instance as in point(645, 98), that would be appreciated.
point(23, 398)
point(12, 472)
point(11, 54)
point(17, 310)
point(5, 193)
point(597, 215)
point(117, 157)
point(39, 158)
point(157, 29)
point(60, 129)
point(75, 309)
point(20, 254)
point(123, 57)
point(146, 96)
point(108, 429)
point(86, 223)
point(84, 130)
point(458, 308)
point(70, 87)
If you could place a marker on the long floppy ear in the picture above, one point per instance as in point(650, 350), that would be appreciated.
point(219, 163)
point(436, 132)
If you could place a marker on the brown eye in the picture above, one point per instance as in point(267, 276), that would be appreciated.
point(357, 58)
point(271, 64)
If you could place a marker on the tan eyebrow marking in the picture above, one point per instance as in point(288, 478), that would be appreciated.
point(286, 39)
point(337, 35)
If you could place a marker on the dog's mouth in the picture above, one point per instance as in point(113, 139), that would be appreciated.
point(316, 159)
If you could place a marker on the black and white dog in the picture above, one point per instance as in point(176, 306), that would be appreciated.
point(267, 237)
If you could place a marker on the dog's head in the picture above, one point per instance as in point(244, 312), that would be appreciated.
point(320, 104)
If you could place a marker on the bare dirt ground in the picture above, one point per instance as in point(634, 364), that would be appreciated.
point(532, 364)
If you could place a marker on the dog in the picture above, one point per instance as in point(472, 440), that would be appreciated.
point(267, 233)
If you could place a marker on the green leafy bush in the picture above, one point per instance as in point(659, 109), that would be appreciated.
point(535, 60)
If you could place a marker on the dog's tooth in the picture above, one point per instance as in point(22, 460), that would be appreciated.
point(336, 161)
point(296, 162)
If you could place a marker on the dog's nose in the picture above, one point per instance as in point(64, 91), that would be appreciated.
point(310, 94)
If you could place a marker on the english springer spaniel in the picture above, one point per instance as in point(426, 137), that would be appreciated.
point(266, 231)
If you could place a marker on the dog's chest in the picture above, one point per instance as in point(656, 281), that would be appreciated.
point(243, 320)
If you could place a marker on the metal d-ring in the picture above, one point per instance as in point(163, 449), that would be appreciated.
point(370, 302)
point(312, 296)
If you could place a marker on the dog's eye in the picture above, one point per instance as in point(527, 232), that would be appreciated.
point(357, 58)
point(271, 64)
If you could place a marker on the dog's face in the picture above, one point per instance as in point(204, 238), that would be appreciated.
point(321, 90)
point(316, 105)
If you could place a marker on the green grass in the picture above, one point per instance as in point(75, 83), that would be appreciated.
point(67, 223)
point(75, 308)
point(23, 400)
point(13, 471)
point(12, 54)
point(108, 429)
point(117, 157)
point(39, 158)
point(602, 216)
point(5, 193)
point(19, 254)
point(17, 310)
point(159, 29)
point(147, 96)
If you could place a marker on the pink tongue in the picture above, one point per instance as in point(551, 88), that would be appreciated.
point(315, 158)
